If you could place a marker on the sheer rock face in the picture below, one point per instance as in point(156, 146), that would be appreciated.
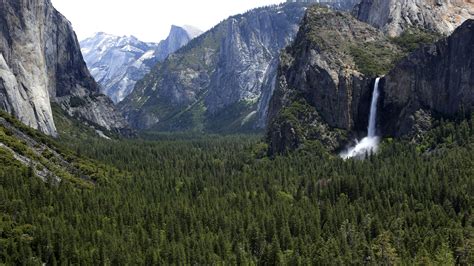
point(437, 79)
point(177, 38)
point(395, 16)
point(321, 93)
point(40, 62)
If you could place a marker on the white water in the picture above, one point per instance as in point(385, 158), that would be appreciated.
point(370, 143)
point(373, 110)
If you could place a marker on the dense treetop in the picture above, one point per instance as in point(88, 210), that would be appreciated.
point(212, 200)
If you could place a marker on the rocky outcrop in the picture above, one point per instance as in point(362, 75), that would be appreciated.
point(396, 16)
point(436, 80)
point(117, 63)
point(40, 62)
point(325, 80)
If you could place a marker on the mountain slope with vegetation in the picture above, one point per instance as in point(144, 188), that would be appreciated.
point(326, 80)
point(27, 149)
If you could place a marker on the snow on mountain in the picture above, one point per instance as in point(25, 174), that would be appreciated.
point(117, 63)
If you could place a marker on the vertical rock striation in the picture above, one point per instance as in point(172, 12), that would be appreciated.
point(40, 63)
point(436, 80)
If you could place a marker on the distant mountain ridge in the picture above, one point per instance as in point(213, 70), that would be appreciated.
point(117, 63)
point(346, 5)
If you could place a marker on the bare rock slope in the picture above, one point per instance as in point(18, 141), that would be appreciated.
point(396, 16)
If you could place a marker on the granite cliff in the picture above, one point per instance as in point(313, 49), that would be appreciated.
point(325, 79)
point(396, 16)
point(435, 81)
point(40, 63)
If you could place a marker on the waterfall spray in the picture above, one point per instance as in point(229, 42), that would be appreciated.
point(370, 143)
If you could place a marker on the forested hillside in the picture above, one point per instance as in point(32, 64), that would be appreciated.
point(90, 191)
point(214, 200)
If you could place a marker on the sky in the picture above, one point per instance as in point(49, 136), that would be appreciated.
point(149, 20)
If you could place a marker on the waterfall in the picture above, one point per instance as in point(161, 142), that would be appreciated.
point(373, 110)
point(370, 143)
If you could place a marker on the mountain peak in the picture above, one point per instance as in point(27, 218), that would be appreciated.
point(191, 31)
point(117, 63)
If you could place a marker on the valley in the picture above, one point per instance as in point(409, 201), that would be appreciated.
point(213, 200)
point(335, 132)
